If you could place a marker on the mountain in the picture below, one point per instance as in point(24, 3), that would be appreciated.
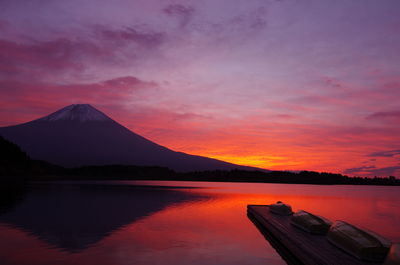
point(80, 135)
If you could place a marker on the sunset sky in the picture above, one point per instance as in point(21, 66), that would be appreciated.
point(289, 84)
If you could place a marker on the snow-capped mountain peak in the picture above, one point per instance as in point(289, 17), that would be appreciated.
point(77, 112)
point(80, 135)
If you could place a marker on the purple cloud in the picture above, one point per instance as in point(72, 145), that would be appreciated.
point(73, 54)
point(182, 13)
point(18, 94)
point(19, 60)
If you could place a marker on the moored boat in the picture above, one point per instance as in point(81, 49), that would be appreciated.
point(280, 208)
point(310, 223)
point(361, 243)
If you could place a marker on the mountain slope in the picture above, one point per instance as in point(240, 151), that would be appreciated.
point(82, 135)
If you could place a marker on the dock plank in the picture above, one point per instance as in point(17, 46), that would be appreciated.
point(307, 248)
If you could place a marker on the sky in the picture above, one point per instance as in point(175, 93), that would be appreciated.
point(282, 85)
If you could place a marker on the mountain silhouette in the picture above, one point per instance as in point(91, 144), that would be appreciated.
point(79, 135)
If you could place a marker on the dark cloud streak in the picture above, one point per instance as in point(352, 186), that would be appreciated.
point(129, 34)
point(373, 171)
point(385, 115)
point(182, 13)
point(389, 153)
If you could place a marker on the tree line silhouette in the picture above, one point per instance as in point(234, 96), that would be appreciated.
point(15, 165)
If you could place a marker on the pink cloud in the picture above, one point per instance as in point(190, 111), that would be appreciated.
point(37, 59)
point(73, 53)
point(45, 97)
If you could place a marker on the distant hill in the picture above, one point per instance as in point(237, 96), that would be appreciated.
point(12, 159)
point(16, 167)
point(80, 135)
point(15, 162)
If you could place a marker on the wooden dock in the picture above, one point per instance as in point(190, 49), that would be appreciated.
point(295, 245)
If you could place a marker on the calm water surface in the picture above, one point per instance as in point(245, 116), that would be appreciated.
point(131, 222)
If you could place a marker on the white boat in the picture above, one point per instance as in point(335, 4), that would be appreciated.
point(280, 208)
point(361, 243)
point(310, 223)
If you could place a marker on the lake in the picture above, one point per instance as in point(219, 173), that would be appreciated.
point(169, 222)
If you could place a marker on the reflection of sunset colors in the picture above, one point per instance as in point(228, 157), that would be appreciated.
point(214, 228)
point(309, 85)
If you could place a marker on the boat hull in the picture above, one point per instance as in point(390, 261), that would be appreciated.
point(361, 243)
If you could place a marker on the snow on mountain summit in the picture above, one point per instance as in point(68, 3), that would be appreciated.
point(80, 135)
point(77, 112)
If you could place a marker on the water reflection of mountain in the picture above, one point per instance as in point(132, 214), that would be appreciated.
point(74, 217)
point(11, 193)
